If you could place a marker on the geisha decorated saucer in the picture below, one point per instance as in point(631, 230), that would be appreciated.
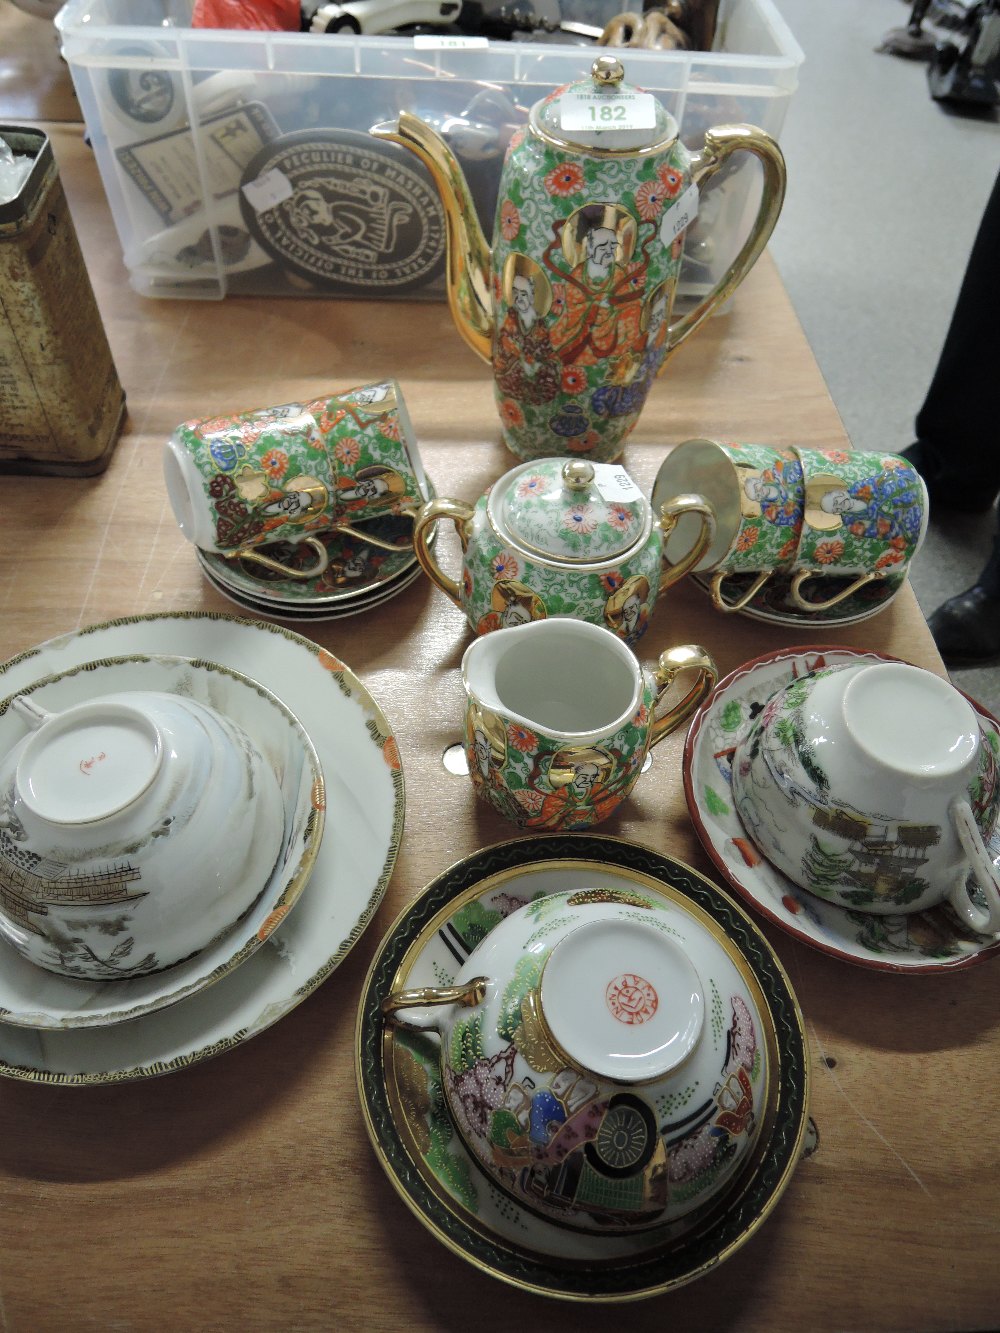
point(364, 823)
point(322, 611)
point(931, 941)
point(33, 997)
point(419, 1146)
point(773, 604)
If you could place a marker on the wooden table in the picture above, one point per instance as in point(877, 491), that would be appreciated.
point(242, 1193)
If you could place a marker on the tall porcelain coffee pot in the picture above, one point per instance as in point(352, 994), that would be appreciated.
point(573, 303)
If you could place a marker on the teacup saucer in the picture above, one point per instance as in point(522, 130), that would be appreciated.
point(773, 605)
point(364, 824)
point(354, 570)
point(302, 612)
point(932, 941)
point(33, 997)
point(419, 1147)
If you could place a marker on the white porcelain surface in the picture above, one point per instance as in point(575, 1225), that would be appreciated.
point(136, 826)
point(364, 785)
point(33, 997)
point(865, 783)
point(601, 1010)
point(916, 942)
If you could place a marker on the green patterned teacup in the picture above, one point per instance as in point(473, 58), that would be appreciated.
point(560, 716)
point(755, 494)
point(289, 473)
point(865, 516)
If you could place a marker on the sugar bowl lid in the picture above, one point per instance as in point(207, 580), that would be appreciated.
point(605, 114)
point(570, 510)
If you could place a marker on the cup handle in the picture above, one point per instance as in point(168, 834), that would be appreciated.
point(795, 593)
point(34, 714)
point(720, 143)
point(670, 512)
point(423, 525)
point(686, 657)
point(466, 996)
point(313, 571)
point(380, 544)
point(984, 922)
point(720, 603)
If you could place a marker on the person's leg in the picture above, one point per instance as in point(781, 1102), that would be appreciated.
point(966, 628)
point(957, 450)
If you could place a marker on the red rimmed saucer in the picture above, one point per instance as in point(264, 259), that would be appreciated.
point(932, 941)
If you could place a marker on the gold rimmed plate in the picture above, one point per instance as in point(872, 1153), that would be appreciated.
point(419, 1147)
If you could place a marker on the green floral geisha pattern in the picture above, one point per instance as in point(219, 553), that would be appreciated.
point(583, 287)
point(502, 587)
point(281, 473)
point(541, 783)
point(863, 512)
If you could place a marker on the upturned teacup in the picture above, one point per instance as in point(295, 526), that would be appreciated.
point(560, 717)
point(603, 1056)
point(756, 497)
point(864, 519)
point(872, 786)
point(135, 829)
point(284, 474)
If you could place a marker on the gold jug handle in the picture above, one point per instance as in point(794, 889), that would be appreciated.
point(720, 143)
point(469, 995)
point(423, 526)
point(686, 657)
point(720, 603)
point(800, 578)
point(670, 512)
point(312, 572)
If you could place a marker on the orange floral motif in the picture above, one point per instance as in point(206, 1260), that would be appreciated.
point(583, 443)
point(347, 450)
point(649, 198)
point(888, 558)
point(521, 738)
point(558, 299)
point(330, 663)
point(788, 549)
point(574, 380)
point(274, 463)
point(510, 413)
point(747, 539)
point(836, 455)
point(671, 180)
point(510, 220)
point(390, 753)
point(271, 922)
point(565, 180)
point(505, 566)
point(828, 553)
point(389, 428)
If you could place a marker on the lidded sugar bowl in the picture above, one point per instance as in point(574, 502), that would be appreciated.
point(561, 537)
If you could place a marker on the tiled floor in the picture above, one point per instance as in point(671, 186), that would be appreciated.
point(886, 190)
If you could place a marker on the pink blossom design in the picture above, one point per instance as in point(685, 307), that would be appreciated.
point(580, 518)
point(505, 566)
point(649, 198)
point(533, 485)
point(619, 517)
point(510, 220)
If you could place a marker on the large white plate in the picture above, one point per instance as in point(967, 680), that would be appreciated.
point(364, 785)
point(32, 997)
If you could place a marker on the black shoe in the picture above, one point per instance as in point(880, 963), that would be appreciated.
point(966, 628)
point(961, 496)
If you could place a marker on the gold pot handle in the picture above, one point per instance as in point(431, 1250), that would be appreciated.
point(720, 143)
point(720, 603)
point(423, 526)
point(468, 996)
point(313, 571)
point(670, 512)
point(686, 657)
point(795, 589)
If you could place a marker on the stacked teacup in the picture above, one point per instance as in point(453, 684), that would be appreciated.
point(804, 532)
point(299, 493)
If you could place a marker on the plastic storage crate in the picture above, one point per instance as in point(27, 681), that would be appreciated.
point(282, 190)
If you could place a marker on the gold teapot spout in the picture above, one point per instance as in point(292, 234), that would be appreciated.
point(469, 258)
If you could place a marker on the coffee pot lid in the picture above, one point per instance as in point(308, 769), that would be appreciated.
point(571, 510)
point(604, 113)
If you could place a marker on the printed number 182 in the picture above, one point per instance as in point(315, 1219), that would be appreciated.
point(607, 113)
